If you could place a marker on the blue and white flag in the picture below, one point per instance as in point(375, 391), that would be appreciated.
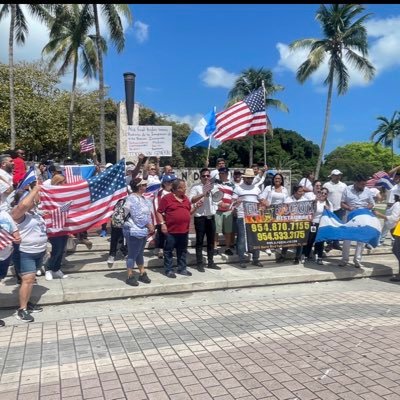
point(362, 226)
point(385, 182)
point(202, 133)
point(29, 177)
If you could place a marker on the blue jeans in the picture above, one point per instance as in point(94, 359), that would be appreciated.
point(4, 264)
point(58, 244)
point(135, 251)
point(179, 241)
point(241, 241)
point(28, 263)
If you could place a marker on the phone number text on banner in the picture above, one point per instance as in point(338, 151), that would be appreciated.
point(282, 225)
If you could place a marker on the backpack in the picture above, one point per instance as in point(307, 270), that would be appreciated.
point(118, 216)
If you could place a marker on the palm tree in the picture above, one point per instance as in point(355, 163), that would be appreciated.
point(111, 12)
point(18, 32)
point(388, 131)
point(70, 43)
point(250, 80)
point(344, 39)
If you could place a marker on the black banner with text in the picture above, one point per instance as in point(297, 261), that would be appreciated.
point(282, 225)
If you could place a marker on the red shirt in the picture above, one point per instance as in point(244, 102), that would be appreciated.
point(176, 213)
point(19, 170)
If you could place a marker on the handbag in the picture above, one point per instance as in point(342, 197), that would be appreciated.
point(71, 244)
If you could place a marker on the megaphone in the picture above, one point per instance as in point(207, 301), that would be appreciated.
point(216, 194)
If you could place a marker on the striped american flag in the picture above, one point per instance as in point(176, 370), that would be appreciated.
point(92, 200)
point(245, 118)
point(59, 216)
point(73, 173)
point(87, 144)
point(5, 238)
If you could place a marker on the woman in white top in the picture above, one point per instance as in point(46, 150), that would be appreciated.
point(321, 203)
point(28, 258)
point(275, 193)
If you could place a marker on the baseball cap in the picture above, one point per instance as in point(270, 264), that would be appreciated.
point(335, 172)
point(223, 169)
point(237, 172)
point(168, 178)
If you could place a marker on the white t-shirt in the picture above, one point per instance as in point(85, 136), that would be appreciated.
point(33, 234)
point(306, 183)
point(319, 209)
point(335, 193)
point(247, 194)
point(6, 182)
point(274, 197)
point(393, 215)
point(8, 224)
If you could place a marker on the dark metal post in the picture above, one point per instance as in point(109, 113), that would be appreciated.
point(129, 79)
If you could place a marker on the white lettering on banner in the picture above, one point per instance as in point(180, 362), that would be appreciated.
point(149, 140)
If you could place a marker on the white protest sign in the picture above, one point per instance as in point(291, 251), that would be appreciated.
point(149, 140)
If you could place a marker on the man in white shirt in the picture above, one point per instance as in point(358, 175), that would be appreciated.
point(336, 189)
point(215, 174)
point(6, 179)
point(354, 197)
point(204, 219)
point(307, 182)
point(245, 193)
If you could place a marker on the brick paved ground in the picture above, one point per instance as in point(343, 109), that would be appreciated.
point(332, 346)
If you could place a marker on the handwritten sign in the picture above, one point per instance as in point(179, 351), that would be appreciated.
point(282, 225)
point(149, 140)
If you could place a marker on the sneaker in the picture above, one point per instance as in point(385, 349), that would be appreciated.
point(87, 243)
point(200, 268)
point(242, 264)
point(343, 263)
point(185, 272)
point(269, 252)
point(160, 254)
point(132, 281)
point(39, 272)
point(59, 274)
point(302, 259)
point(171, 274)
point(24, 315)
point(144, 278)
point(229, 252)
point(280, 259)
point(213, 266)
point(319, 261)
point(296, 261)
point(394, 278)
point(103, 233)
point(33, 308)
point(110, 261)
point(357, 264)
point(257, 263)
point(48, 275)
point(2, 323)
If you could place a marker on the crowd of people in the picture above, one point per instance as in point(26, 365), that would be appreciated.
point(159, 206)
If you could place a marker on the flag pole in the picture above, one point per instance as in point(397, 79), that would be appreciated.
point(94, 155)
point(265, 133)
point(209, 144)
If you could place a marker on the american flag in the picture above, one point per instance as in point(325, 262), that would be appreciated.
point(5, 238)
point(247, 117)
point(376, 177)
point(92, 200)
point(87, 144)
point(59, 216)
point(72, 173)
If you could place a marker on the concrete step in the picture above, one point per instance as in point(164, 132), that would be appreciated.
point(110, 284)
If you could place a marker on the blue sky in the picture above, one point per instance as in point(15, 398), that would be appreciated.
point(186, 58)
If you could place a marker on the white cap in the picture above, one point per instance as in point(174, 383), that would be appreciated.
point(108, 165)
point(335, 172)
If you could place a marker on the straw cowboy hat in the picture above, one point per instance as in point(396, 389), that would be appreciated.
point(248, 173)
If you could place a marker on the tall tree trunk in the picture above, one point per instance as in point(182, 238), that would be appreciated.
point(11, 69)
point(392, 154)
point(71, 107)
point(101, 87)
point(326, 127)
point(251, 149)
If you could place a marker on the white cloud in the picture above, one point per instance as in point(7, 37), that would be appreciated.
point(191, 120)
point(218, 77)
point(83, 84)
point(141, 31)
point(338, 127)
point(384, 47)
